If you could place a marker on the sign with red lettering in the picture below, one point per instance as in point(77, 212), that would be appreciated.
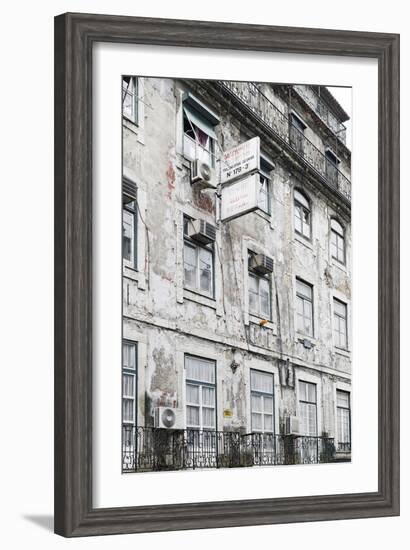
point(240, 197)
point(240, 160)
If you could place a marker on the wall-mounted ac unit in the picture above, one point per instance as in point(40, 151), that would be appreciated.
point(202, 231)
point(203, 175)
point(169, 418)
point(261, 263)
point(291, 425)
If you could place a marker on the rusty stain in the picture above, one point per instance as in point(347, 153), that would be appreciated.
point(203, 201)
point(170, 178)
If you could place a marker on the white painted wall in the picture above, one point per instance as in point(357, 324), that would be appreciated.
point(26, 111)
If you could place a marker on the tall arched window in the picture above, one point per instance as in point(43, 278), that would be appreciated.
point(303, 219)
point(337, 241)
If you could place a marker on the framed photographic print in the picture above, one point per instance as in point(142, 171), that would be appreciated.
point(226, 274)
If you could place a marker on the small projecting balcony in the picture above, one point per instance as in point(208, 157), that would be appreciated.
point(154, 449)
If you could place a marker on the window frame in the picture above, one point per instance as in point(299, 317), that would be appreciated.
point(300, 124)
point(297, 204)
point(303, 297)
point(188, 241)
point(129, 371)
point(258, 278)
point(341, 407)
point(133, 211)
point(307, 402)
point(339, 236)
point(265, 179)
point(332, 170)
point(259, 393)
point(335, 340)
point(264, 176)
point(133, 119)
point(296, 124)
point(198, 111)
point(200, 384)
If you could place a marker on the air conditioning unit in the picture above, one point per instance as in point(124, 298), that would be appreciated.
point(203, 175)
point(261, 263)
point(291, 425)
point(202, 231)
point(169, 418)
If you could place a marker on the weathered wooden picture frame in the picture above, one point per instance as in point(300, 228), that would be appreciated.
point(75, 36)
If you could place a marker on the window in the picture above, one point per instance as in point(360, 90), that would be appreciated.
point(340, 324)
point(302, 214)
point(130, 98)
point(304, 307)
point(307, 408)
point(264, 194)
point(199, 133)
point(262, 403)
point(200, 393)
point(198, 264)
point(264, 202)
point(332, 169)
point(259, 296)
point(129, 382)
point(129, 234)
point(343, 420)
point(297, 129)
point(337, 241)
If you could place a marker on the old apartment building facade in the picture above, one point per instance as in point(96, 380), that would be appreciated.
point(236, 333)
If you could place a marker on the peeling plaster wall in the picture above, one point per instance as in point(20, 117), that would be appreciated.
point(175, 321)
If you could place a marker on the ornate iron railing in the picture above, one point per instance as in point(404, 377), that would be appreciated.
point(253, 99)
point(344, 447)
point(153, 449)
point(321, 108)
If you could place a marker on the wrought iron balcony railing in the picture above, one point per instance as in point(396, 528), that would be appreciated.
point(256, 102)
point(320, 107)
point(153, 449)
point(344, 447)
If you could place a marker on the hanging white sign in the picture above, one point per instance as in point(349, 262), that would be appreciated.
point(240, 197)
point(240, 160)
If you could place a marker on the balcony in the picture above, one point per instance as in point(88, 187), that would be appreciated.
point(321, 108)
point(153, 449)
point(257, 104)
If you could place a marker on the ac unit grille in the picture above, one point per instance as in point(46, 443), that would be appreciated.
point(268, 263)
point(261, 263)
point(202, 231)
point(203, 175)
point(208, 230)
point(169, 418)
point(205, 171)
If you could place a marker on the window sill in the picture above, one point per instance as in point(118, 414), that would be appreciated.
point(264, 215)
point(199, 298)
point(134, 275)
point(130, 272)
point(339, 265)
point(130, 123)
point(305, 242)
point(301, 337)
point(185, 161)
point(254, 319)
point(342, 352)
